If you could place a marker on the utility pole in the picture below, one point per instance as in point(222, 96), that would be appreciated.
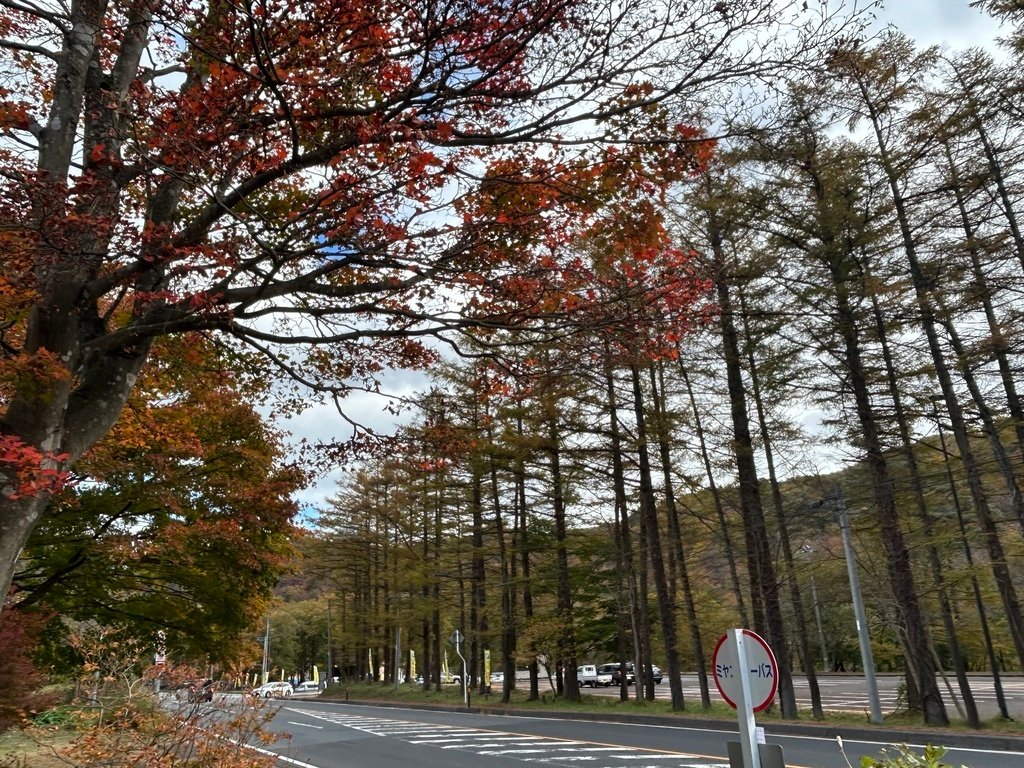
point(867, 659)
point(330, 655)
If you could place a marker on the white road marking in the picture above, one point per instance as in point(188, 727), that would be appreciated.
point(538, 749)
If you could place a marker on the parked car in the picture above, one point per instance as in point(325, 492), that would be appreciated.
point(278, 690)
point(588, 674)
point(657, 674)
point(615, 670)
point(497, 678)
point(307, 687)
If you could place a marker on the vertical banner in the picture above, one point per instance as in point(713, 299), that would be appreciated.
point(412, 665)
point(487, 666)
point(316, 675)
point(369, 664)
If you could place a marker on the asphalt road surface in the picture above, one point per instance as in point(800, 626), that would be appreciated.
point(336, 735)
point(848, 693)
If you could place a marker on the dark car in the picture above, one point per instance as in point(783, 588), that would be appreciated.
point(616, 670)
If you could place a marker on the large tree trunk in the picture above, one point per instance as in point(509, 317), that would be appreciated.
point(523, 526)
point(428, 646)
point(628, 600)
point(803, 634)
point(928, 322)
point(507, 566)
point(567, 640)
point(764, 585)
point(897, 558)
point(716, 497)
point(478, 634)
point(979, 602)
point(666, 603)
point(75, 410)
point(661, 428)
point(924, 516)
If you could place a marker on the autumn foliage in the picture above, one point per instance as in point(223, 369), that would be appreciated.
point(182, 518)
point(323, 185)
point(20, 679)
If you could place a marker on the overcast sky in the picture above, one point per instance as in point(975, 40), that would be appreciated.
point(952, 23)
point(938, 22)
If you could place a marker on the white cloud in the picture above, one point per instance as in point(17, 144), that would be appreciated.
point(321, 422)
point(941, 22)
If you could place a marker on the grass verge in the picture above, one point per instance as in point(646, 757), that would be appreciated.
point(451, 695)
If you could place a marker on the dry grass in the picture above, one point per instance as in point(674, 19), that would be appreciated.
point(35, 749)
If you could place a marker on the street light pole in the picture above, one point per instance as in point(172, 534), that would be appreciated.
point(867, 658)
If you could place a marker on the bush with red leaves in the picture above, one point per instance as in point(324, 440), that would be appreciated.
point(20, 680)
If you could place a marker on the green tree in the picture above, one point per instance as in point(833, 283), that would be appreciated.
point(180, 523)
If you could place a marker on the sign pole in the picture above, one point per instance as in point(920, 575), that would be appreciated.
point(744, 706)
point(746, 674)
point(457, 639)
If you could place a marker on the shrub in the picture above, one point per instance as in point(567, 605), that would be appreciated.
point(20, 680)
point(902, 756)
point(120, 720)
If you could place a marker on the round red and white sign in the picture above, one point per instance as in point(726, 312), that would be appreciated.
point(761, 670)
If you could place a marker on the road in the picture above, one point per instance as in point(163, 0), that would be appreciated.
point(337, 735)
point(848, 693)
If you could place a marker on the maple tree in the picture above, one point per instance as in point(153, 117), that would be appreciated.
point(297, 176)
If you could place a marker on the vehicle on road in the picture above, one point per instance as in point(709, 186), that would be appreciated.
point(195, 691)
point(588, 674)
point(276, 690)
point(307, 687)
point(616, 670)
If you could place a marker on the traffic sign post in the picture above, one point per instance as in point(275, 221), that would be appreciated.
point(456, 638)
point(746, 675)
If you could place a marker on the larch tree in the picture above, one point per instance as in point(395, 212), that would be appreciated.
point(293, 176)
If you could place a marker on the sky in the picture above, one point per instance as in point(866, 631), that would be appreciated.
point(938, 22)
point(951, 23)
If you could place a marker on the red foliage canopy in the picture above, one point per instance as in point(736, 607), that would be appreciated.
point(325, 183)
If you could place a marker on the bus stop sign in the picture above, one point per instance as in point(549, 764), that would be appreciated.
point(762, 670)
